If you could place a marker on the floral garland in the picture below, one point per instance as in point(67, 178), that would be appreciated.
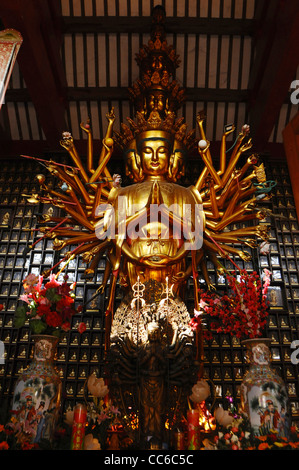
point(238, 435)
point(242, 312)
point(230, 429)
point(49, 308)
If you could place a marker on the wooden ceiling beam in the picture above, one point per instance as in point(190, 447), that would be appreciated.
point(139, 25)
point(121, 94)
point(40, 62)
point(276, 62)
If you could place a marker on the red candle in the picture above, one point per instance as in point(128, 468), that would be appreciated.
point(78, 431)
point(179, 440)
point(193, 429)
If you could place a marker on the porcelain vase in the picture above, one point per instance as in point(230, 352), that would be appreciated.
point(264, 396)
point(36, 399)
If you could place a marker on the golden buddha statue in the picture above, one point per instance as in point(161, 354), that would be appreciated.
point(156, 247)
point(155, 232)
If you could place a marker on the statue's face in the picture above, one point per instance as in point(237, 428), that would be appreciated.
point(155, 157)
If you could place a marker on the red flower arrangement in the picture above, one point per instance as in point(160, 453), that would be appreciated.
point(243, 312)
point(48, 308)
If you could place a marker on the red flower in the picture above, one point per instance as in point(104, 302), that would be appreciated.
point(4, 445)
point(194, 323)
point(263, 446)
point(66, 326)
point(65, 302)
point(27, 446)
point(242, 312)
point(53, 319)
point(64, 289)
point(52, 282)
point(81, 327)
point(43, 310)
point(67, 313)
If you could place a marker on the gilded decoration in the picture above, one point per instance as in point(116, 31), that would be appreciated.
point(153, 356)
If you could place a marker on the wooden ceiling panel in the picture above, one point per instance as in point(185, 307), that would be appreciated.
point(181, 8)
point(217, 41)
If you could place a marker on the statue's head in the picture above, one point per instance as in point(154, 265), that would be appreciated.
point(156, 143)
point(154, 150)
point(157, 148)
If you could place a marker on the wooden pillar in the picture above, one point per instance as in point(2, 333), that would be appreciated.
point(291, 145)
point(274, 68)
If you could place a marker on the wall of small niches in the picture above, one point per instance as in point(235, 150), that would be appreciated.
point(80, 355)
point(225, 358)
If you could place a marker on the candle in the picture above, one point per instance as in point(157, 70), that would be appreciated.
point(179, 440)
point(193, 429)
point(78, 430)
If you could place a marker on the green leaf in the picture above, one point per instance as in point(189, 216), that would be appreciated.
point(52, 295)
point(37, 326)
point(20, 317)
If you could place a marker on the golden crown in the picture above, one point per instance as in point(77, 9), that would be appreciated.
point(156, 95)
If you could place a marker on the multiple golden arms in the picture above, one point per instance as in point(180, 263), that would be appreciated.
point(229, 197)
point(81, 189)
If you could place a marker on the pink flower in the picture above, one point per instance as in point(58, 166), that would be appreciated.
point(102, 416)
point(202, 303)
point(267, 272)
point(44, 301)
point(114, 410)
point(25, 298)
point(39, 284)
